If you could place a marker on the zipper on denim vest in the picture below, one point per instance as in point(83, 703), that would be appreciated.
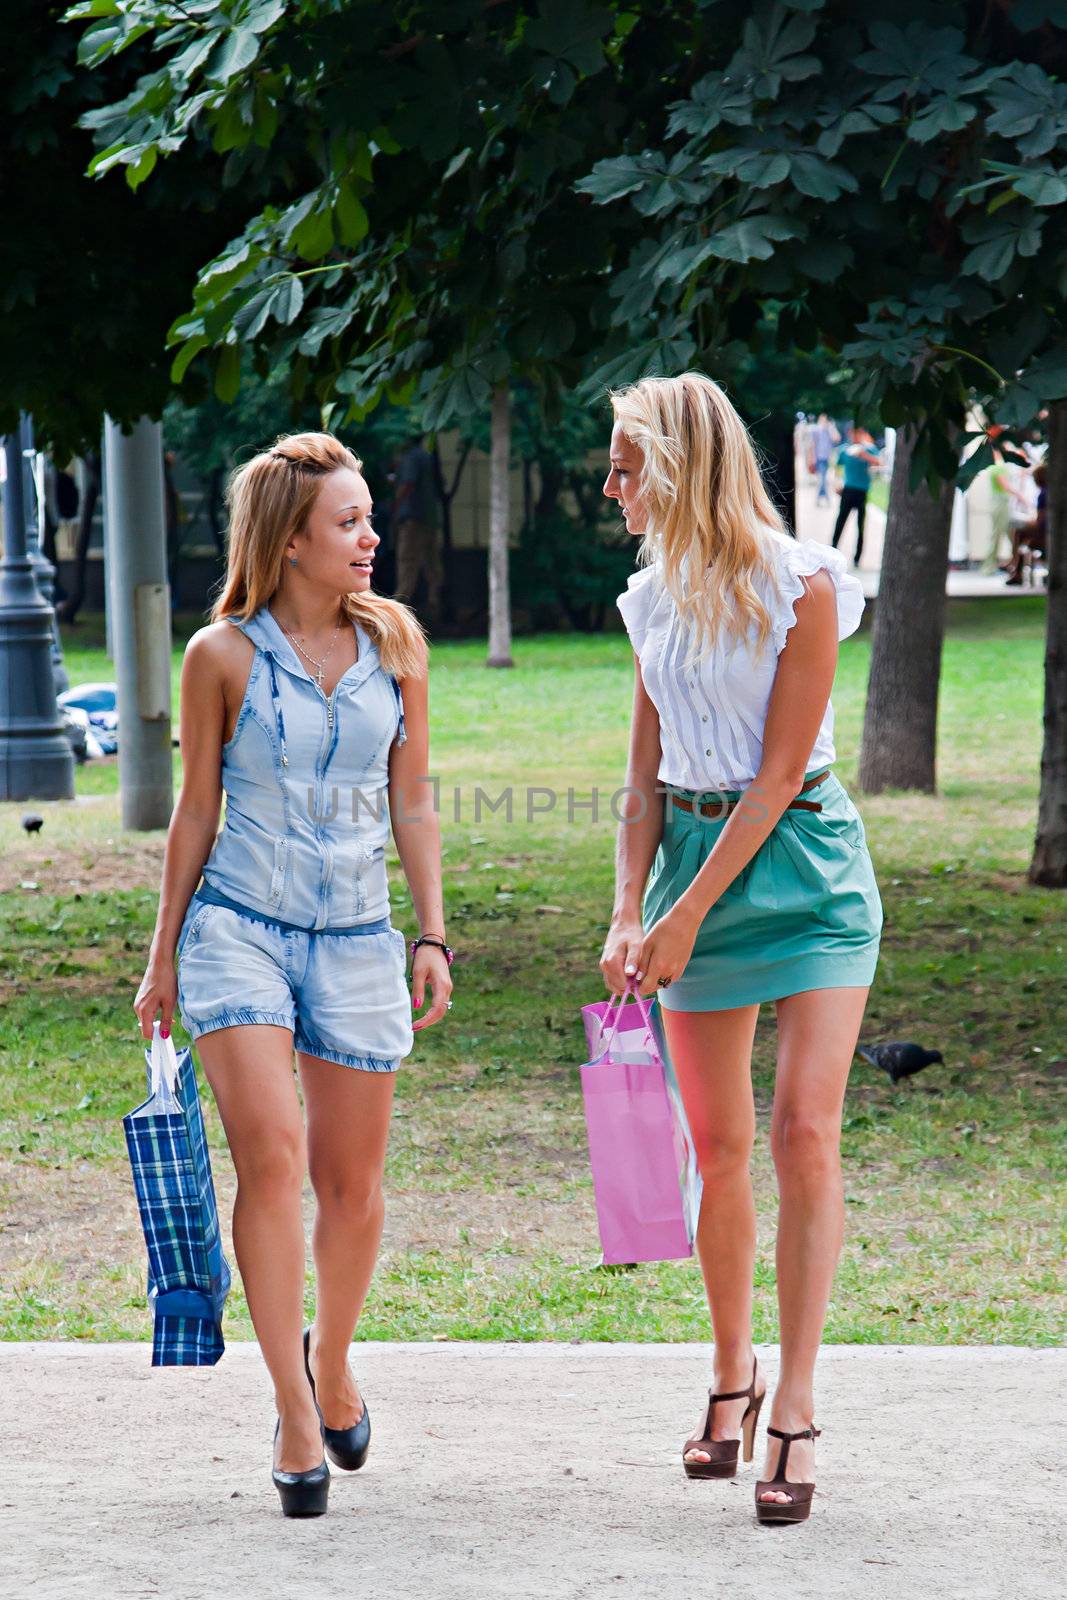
point(324, 761)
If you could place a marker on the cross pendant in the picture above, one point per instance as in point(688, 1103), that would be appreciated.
point(319, 677)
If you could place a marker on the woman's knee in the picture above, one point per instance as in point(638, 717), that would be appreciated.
point(272, 1166)
point(724, 1158)
point(352, 1192)
point(805, 1145)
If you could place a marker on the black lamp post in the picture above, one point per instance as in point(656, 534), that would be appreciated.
point(44, 572)
point(36, 759)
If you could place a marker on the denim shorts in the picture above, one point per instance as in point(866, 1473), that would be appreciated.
point(343, 994)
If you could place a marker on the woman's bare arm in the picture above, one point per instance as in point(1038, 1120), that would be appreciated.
point(638, 838)
point(194, 821)
point(417, 831)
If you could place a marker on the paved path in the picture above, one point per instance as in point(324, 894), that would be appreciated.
point(544, 1471)
point(815, 521)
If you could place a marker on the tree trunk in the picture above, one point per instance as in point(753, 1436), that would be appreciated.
point(173, 520)
point(446, 495)
point(216, 511)
point(499, 524)
point(899, 749)
point(551, 475)
point(68, 611)
point(1049, 864)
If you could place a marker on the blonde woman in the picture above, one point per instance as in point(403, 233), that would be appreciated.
point(305, 701)
point(761, 882)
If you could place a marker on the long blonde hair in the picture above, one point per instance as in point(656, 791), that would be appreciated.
point(704, 504)
point(269, 499)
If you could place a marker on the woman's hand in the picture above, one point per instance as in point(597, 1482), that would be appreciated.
point(430, 965)
point(158, 992)
point(665, 950)
point(621, 950)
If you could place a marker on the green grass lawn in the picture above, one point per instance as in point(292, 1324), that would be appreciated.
point(951, 1178)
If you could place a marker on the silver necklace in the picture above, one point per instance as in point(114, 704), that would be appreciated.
point(320, 665)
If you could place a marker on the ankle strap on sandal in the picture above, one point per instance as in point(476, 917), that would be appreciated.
point(805, 1433)
point(740, 1394)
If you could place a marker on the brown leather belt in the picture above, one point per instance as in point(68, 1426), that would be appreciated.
point(717, 809)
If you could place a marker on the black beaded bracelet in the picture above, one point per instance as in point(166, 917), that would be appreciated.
point(438, 943)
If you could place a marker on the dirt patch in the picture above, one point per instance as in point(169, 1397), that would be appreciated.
point(77, 1217)
point(1015, 883)
point(73, 983)
point(76, 869)
point(84, 1219)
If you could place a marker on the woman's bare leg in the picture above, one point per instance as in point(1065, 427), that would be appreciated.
point(817, 1034)
point(712, 1056)
point(250, 1070)
point(347, 1128)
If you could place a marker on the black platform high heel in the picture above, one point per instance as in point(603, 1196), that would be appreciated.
point(303, 1494)
point(346, 1447)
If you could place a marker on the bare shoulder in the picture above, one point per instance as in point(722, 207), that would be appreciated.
point(219, 651)
point(820, 587)
point(814, 632)
point(219, 643)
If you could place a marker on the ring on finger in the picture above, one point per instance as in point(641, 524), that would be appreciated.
point(663, 983)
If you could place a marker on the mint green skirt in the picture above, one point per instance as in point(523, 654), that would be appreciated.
point(805, 913)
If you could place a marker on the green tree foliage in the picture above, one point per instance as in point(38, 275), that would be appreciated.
point(892, 175)
point(421, 239)
point(91, 276)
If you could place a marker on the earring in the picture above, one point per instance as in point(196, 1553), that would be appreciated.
point(292, 561)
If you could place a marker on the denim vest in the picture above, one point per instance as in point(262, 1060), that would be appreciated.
point(306, 784)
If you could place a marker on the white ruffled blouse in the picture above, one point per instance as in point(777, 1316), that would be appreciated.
point(712, 715)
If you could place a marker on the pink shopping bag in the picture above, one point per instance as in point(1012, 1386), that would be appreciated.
point(645, 1176)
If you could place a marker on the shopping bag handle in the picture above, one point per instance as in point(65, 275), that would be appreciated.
point(164, 1062)
point(630, 989)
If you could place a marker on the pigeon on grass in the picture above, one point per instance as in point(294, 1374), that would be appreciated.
point(900, 1058)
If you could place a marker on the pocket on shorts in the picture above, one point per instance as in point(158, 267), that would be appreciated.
point(195, 917)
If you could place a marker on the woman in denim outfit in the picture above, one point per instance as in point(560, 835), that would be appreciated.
point(305, 702)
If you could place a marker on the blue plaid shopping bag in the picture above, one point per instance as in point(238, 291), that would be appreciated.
point(188, 1276)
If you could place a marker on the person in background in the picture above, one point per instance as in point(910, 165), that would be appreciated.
point(824, 437)
point(1033, 534)
point(1022, 508)
point(802, 434)
point(417, 523)
point(1006, 501)
point(856, 459)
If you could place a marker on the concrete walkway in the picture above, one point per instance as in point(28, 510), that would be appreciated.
point(815, 521)
point(543, 1471)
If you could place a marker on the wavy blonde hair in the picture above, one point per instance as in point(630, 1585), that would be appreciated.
point(705, 504)
point(269, 499)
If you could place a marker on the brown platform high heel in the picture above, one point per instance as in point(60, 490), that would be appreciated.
point(723, 1452)
point(797, 1508)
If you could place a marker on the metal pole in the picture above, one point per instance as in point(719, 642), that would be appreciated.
point(110, 603)
point(36, 759)
point(499, 528)
point(43, 571)
point(140, 597)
